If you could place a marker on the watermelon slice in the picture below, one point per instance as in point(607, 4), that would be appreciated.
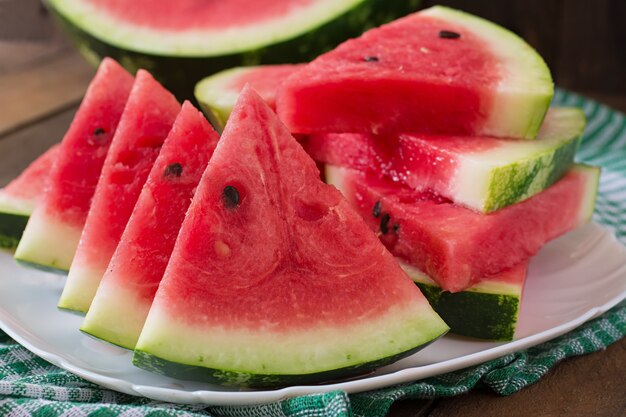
point(486, 310)
point(287, 283)
point(436, 71)
point(147, 119)
point(218, 93)
point(125, 294)
point(481, 173)
point(19, 197)
point(456, 246)
point(53, 230)
point(182, 41)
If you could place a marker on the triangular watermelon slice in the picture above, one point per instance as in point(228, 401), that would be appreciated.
point(274, 278)
point(53, 230)
point(147, 119)
point(20, 196)
point(435, 71)
point(125, 294)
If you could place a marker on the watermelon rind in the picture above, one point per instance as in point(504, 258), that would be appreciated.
point(216, 101)
point(493, 179)
point(179, 62)
point(256, 359)
point(487, 310)
point(14, 214)
point(48, 252)
point(525, 93)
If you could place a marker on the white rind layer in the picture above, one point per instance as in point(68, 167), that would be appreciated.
point(116, 315)
point(293, 352)
point(485, 286)
point(48, 242)
point(81, 286)
point(196, 42)
point(14, 205)
point(592, 179)
point(525, 91)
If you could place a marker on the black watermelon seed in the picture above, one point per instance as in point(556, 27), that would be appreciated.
point(384, 223)
point(370, 59)
point(99, 131)
point(173, 170)
point(377, 208)
point(396, 228)
point(230, 196)
point(448, 34)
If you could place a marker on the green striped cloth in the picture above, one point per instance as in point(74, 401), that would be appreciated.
point(29, 386)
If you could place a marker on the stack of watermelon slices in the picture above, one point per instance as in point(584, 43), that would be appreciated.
point(447, 150)
point(211, 259)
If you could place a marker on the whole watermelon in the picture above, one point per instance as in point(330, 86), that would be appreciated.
point(182, 41)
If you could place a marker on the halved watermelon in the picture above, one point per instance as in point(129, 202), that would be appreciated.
point(218, 93)
point(183, 41)
point(482, 173)
point(286, 282)
point(486, 310)
point(125, 294)
point(19, 197)
point(455, 246)
point(147, 119)
point(53, 230)
point(436, 71)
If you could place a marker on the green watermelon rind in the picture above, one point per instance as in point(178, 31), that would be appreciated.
point(179, 72)
point(12, 226)
point(521, 180)
point(485, 311)
point(153, 363)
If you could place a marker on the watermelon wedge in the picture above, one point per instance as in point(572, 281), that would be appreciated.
point(481, 173)
point(125, 294)
point(182, 41)
point(53, 230)
point(287, 283)
point(436, 71)
point(218, 93)
point(486, 310)
point(19, 197)
point(147, 119)
point(456, 246)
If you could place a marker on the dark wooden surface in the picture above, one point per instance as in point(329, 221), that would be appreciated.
point(42, 80)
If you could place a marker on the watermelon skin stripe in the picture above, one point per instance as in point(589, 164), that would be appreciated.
point(179, 73)
point(11, 228)
point(520, 181)
point(161, 366)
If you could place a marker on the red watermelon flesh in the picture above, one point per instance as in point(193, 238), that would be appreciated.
point(182, 15)
point(30, 184)
point(436, 71)
point(125, 294)
point(53, 231)
point(147, 119)
point(456, 246)
point(285, 279)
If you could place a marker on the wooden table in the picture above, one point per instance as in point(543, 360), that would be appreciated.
point(40, 88)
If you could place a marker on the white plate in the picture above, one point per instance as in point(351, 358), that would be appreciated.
point(572, 280)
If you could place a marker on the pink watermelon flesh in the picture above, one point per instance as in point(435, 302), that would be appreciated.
point(61, 214)
point(454, 245)
point(147, 119)
point(197, 14)
point(125, 294)
point(265, 80)
point(30, 184)
point(268, 255)
point(383, 81)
